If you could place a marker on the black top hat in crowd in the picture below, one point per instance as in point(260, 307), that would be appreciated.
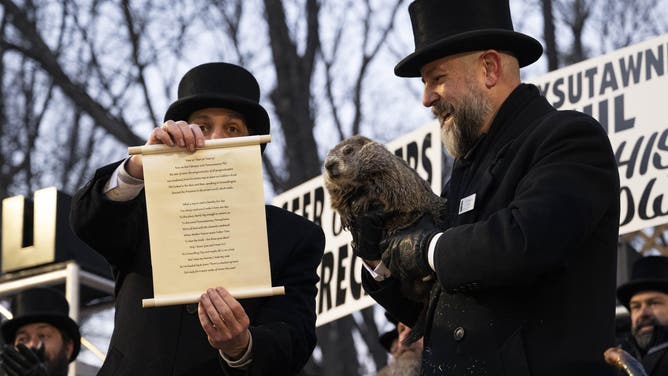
point(447, 27)
point(220, 85)
point(649, 273)
point(41, 305)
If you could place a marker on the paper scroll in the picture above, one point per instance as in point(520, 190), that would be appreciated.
point(206, 220)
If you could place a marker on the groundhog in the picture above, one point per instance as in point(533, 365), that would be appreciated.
point(361, 175)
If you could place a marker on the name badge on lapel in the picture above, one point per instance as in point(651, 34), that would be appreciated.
point(466, 204)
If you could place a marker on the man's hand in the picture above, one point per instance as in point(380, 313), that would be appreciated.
point(23, 361)
point(225, 322)
point(367, 232)
point(405, 253)
point(172, 133)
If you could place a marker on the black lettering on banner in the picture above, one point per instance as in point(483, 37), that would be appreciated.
point(621, 123)
point(650, 206)
point(575, 88)
point(412, 155)
point(341, 275)
point(663, 146)
point(609, 80)
point(309, 205)
point(426, 162)
point(651, 153)
point(295, 205)
point(644, 161)
point(337, 225)
point(590, 74)
point(543, 89)
point(615, 75)
point(654, 62)
point(646, 152)
point(326, 274)
point(556, 90)
point(603, 114)
point(630, 70)
point(626, 205)
point(418, 156)
point(354, 284)
point(318, 205)
point(656, 201)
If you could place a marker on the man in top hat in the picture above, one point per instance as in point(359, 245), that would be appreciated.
point(645, 296)
point(222, 335)
point(525, 267)
point(41, 338)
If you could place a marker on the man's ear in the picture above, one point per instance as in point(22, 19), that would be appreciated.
point(69, 347)
point(491, 61)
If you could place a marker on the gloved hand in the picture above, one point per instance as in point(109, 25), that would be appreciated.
point(23, 361)
point(405, 253)
point(367, 231)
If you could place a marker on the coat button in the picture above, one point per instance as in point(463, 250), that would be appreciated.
point(191, 308)
point(458, 334)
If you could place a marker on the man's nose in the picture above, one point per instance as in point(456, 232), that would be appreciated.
point(218, 132)
point(645, 311)
point(35, 342)
point(429, 97)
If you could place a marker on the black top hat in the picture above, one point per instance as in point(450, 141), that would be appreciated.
point(220, 85)
point(649, 273)
point(447, 27)
point(41, 305)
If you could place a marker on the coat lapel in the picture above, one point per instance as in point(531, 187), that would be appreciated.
point(490, 158)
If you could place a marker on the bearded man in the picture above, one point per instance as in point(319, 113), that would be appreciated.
point(645, 296)
point(526, 265)
point(41, 339)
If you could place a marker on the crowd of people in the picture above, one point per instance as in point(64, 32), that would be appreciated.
point(525, 265)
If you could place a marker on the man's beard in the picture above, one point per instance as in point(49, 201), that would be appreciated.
point(407, 363)
point(468, 118)
point(644, 339)
point(58, 366)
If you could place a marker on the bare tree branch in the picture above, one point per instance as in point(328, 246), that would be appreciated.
point(134, 36)
point(42, 54)
point(367, 57)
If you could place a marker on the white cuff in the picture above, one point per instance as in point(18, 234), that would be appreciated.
point(379, 273)
point(432, 249)
point(122, 186)
point(245, 359)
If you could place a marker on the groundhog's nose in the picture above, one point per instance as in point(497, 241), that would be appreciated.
point(332, 167)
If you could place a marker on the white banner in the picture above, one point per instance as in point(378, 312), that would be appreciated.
point(626, 91)
point(340, 290)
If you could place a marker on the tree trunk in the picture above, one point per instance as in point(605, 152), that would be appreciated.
point(549, 36)
point(292, 95)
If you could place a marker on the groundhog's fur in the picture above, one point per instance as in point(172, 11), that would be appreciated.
point(361, 175)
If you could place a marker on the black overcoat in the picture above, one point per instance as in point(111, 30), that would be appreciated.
point(169, 340)
point(527, 275)
point(655, 359)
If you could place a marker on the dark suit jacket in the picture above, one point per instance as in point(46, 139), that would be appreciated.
point(169, 340)
point(527, 276)
point(655, 359)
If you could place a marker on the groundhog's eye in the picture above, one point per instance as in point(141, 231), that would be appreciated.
point(347, 150)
